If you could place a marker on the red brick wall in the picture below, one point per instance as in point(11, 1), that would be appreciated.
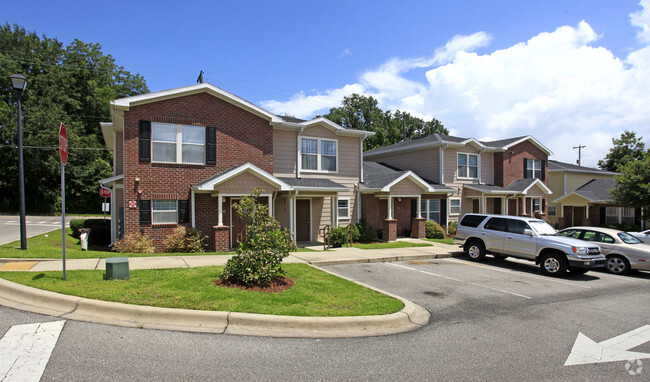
point(373, 210)
point(509, 165)
point(241, 137)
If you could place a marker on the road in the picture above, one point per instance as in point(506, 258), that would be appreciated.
point(35, 225)
point(491, 321)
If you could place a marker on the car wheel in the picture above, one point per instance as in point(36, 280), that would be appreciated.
point(579, 271)
point(553, 264)
point(475, 250)
point(617, 264)
point(500, 257)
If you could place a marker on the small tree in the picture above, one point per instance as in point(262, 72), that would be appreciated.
point(626, 149)
point(633, 185)
point(260, 255)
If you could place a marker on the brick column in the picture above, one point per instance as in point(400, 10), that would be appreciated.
point(390, 229)
point(419, 228)
point(221, 238)
point(586, 221)
point(560, 223)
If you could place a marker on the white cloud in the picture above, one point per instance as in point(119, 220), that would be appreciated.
point(560, 87)
point(345, 53)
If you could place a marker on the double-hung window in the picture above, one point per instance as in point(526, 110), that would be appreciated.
point(467, 165)
point(454, 206)
point(174, 143)
point(318, 154)
point(533, 168)
point(343, 209)
point(164, 211)
point(430, 209)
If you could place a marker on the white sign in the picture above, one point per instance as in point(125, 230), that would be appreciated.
point(614, 349)
point(106, 207)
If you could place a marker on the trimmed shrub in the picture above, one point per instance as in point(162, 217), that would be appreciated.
point(185, 240)
point(135, 243)
point(259, 257)
point(434, 231)
point(366, 232)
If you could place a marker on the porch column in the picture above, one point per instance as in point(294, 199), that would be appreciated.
point(220, 210)
point(335, 211)
point(390, 207)
point(270, 205)
point(292, 215)
point(504, 202)
point(419, 207)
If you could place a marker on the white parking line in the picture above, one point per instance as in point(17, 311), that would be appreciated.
point(26, 350)
point(458, 280)
point(545, 278)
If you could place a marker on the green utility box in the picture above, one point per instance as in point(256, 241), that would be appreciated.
point(117, 268)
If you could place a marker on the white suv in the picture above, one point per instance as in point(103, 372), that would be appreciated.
point(526, 238)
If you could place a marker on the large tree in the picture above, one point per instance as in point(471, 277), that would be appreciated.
point(363, 113)
point(626, 149)
point(73, 85)
point(633, 184)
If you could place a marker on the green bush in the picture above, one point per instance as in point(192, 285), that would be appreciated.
point(185, 240)
point(77, 224)
point(434, 231)
point(625, 227)
point(259, 256)
point(366, 232)
point(451, 227)
point(135, 243)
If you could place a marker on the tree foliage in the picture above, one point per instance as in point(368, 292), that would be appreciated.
point(260, 255)
point(633, 184)
point(74, 85)
point(626, 149)
point(363, 113)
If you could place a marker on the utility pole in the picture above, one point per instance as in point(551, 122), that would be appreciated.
point(579, 147)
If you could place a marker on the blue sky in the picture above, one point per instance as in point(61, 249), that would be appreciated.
point(566, 72)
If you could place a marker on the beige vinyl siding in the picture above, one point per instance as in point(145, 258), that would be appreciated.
point(406, 187)
point(118, 154)
point(556, 184)
point(575, 180)
point(244, 184)
point(285, 152)
point(281, 209)
point(487, 168)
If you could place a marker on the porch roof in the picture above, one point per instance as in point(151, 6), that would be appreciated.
point(210, 183)
point(313, 184)
point(594, 191)
point(381, 177)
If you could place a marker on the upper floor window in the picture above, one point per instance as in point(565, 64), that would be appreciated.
point(318, 154)
point(533, 168)
point(467, 165)
point(174, 143)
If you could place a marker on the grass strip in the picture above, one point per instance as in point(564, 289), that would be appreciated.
point(449, 241)
point(394, 244)
point(315, 293)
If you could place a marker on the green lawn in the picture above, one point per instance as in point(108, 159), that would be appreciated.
point(394, 244)
point(448, 240)
point(315, 293)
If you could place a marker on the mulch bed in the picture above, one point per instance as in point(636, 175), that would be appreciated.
point(277, 285)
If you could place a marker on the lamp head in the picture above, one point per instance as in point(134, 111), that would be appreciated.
point(18, 81)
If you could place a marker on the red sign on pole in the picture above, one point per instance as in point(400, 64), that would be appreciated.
point(105, 192)
point(63, 143)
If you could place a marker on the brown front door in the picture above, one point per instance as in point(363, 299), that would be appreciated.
point(568, 216)
point(303, 226)
point(238, 228)
point(578, 215)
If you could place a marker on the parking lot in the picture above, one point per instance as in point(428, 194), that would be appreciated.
point(506, 311)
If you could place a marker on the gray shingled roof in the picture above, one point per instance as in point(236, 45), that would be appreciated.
point(490, 188)
point(429, 139)
point(597, 190)
point(378, 175)
point(521, 184)
point(313, 183)
point(287, 118)
point(554, 165)
point(502, 142)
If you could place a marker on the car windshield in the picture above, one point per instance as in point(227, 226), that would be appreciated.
point(542, 228)
point(628, 239)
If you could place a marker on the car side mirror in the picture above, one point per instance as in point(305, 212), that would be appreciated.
point(528, 232)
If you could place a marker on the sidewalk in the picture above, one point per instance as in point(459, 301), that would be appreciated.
point(71, 307)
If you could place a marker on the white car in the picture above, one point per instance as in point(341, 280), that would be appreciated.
point(623, 251)
point(643, 236)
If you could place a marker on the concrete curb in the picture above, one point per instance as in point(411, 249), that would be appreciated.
point(22, 297)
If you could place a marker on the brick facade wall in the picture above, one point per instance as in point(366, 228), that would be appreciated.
point(241, 137)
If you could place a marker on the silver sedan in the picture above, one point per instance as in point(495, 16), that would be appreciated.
point(643, 236)
point(623, 251)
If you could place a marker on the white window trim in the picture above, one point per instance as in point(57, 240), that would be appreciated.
point(179, 143)
point(534, 161)
point(153, 213)
point(478, 166)
point(338, 214)
point(548, 210)
point(427, 211)
point(319, 155)
point(459, 207)
point(532, 199)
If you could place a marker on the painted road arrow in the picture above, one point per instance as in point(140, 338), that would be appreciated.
point(614, 349)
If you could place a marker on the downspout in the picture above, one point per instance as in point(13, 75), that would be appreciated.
point(193, 208)
point(442, 163)
point(480, 164)
point(361, 159)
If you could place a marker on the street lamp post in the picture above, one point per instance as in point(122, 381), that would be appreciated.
point(19, 82)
